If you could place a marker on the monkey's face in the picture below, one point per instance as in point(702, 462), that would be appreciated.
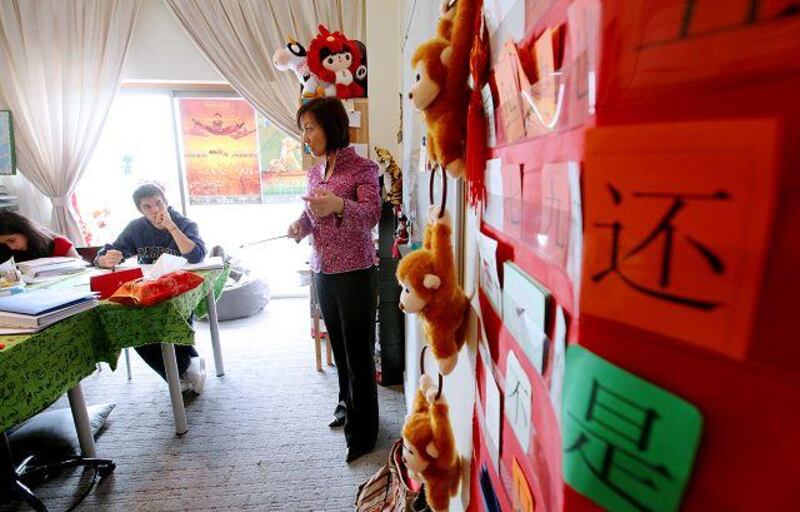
point(410, 300)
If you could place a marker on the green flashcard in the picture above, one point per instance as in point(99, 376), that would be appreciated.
point(628, 445)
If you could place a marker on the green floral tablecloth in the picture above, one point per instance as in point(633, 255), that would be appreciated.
point(36, 369)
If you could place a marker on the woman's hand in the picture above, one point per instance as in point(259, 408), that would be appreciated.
point(295, 231)
point(324, 202)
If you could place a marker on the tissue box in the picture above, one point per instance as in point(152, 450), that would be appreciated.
point(107, 284)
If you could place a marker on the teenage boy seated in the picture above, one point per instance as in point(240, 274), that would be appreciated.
point(161, 230)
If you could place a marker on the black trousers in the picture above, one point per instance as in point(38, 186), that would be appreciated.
point(348, 302)
point(152, 356)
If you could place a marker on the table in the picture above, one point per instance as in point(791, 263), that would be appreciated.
point(38, 368)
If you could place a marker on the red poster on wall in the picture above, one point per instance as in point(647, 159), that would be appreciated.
point(220, 150)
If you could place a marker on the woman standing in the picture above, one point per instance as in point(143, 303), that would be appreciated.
point(25, 240)
point(342, 206)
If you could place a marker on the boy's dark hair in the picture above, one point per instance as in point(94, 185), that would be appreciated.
point(147, 190)
point(39, 238)
point(332, 117)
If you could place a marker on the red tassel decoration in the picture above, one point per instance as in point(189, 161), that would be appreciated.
point(476, 120)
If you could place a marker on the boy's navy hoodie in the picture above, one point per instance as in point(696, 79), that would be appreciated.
point(147, 243)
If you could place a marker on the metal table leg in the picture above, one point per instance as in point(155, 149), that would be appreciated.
point(173, 380)
point(81, 418)
point(213, 324)
point(128, 362)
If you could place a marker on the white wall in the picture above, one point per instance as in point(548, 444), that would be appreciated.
point(161, 51)
point(383, 58)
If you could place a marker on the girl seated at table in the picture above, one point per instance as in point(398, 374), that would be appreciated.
point(25, 240)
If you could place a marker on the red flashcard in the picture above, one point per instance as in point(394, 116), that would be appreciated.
point(677, 220)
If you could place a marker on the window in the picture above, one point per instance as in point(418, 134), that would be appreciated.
point(137, 145)
point(220, 162)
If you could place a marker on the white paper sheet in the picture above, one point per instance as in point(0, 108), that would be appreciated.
point(355, 119)
point(575, 249)
point(489, 279)
point(495, 12)
point(493, 210)
point(559, 362)
point(493, 421)
point(518, 401)
point(488, 111)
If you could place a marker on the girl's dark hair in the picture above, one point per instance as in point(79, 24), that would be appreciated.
point(332, 117)
point(40, 239)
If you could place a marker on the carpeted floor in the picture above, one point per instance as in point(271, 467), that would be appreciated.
point(258, 437)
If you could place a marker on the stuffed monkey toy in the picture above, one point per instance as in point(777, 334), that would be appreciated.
point(447, 11)
point(441, 67)
point(429, 450)
point(428, 278)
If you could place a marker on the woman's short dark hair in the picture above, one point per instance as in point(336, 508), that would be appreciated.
point(332, 117)
point(39, 238)
point(147, 190)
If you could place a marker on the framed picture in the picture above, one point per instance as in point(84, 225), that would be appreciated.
point(8, 162)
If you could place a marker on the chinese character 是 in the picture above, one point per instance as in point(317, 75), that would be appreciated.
point(613, 442)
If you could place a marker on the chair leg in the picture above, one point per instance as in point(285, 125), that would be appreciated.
point(128, 362)
point(104, 467)
point(317, 341)
point(329, 351)
point(20, 491)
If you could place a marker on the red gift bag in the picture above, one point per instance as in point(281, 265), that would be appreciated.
point(147, 293)
point(107, 284)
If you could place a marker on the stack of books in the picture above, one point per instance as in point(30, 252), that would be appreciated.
point(12, 289)
point(212, 263)
point(50, 267)
point(32, 311)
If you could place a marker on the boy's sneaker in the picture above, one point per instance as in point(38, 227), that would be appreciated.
point(195, 374)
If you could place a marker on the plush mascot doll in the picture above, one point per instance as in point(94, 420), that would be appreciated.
point(335, 58)
point(295, 58)
point(440, 91)
point(360, 73)
point(429, 450)
point(428, 279)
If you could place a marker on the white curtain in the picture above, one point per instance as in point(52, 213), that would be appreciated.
point(240, 36)
point(60, 65)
